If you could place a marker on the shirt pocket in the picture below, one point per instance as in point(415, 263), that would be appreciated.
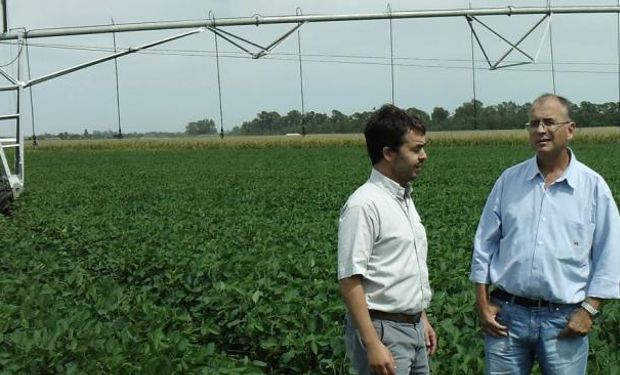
point(577, 243)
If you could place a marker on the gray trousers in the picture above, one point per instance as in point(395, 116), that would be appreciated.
point(404, 340)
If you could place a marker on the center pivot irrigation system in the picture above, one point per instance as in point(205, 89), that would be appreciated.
point(12, 177)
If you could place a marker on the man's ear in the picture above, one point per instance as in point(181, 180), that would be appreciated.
point(388, 153)
point(571, 130)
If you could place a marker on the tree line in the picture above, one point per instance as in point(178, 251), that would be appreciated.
point(471, 115)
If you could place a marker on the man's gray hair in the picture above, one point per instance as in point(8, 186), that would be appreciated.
point(562, 100)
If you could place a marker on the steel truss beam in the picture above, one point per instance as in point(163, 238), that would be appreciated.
point(224, 34)
point(228, 36)
point(514, 46)
point(260, 20)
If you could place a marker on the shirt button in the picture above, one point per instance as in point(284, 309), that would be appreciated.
point(540, 242)
point(544, 219)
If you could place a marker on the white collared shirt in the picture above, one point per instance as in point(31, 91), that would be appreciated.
point(381, 238)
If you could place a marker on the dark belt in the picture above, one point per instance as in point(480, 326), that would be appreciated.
point(527, 302)
point(395, 317)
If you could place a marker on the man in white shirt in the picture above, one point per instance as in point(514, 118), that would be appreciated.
point(382, 250)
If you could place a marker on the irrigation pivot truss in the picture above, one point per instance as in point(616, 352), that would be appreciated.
point(12, 173)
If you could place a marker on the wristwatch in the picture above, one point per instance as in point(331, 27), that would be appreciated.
point(590, 309)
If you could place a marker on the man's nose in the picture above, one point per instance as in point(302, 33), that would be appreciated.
point(540, 127)
point(423, 155)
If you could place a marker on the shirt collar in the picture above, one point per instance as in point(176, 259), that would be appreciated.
point(390, 185)
point(570, 174)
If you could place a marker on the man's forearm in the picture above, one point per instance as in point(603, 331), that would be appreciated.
point(482, 294)
point(352, 293)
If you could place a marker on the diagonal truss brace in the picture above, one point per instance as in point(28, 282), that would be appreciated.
point(513, 46)
point(59, 73)
point(229, 37)
point(8, 77)
point(32, 82)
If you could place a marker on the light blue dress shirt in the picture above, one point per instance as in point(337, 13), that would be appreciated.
point(560, 243)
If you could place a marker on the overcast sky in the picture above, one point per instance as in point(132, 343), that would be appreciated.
point(345, 64)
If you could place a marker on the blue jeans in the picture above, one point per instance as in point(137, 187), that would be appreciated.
point(533, 335)
point(404, 340)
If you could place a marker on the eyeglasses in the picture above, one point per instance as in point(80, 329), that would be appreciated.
point(547, 123)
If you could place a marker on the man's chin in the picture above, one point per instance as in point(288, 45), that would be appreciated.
point(543, 147)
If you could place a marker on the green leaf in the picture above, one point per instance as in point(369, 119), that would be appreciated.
point(259, 363)
point(288, 356)
point(314, 347)
point(256, 296)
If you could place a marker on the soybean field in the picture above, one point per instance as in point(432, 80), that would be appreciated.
point(220, 257)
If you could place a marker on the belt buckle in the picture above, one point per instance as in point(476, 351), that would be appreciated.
point(541, 303)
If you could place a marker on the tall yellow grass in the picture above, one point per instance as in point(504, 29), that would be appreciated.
point(446, 138)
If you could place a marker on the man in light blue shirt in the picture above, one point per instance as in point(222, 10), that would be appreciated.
point(549, 241)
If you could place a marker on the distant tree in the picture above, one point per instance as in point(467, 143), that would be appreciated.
point(339, 122)
point(467, 116)
point(507, 115)
point(588, 114)
point(67, 135)
point(317, 123)
point(359, 120)
point(269, 122)
point(611, 111)
point(439, 117)
point(293, 121)
point(98, 134)
point(201, 127)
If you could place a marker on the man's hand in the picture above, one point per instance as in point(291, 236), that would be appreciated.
point(488, 314)
point(430, 337)
point(487, 311)
point(380, 359)
point(579, 324)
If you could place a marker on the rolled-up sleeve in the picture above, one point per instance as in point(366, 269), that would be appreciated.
point(356, 233)
point(605, 279)
point(486, 240)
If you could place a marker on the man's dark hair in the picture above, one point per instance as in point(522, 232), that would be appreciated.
point(387, 128)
